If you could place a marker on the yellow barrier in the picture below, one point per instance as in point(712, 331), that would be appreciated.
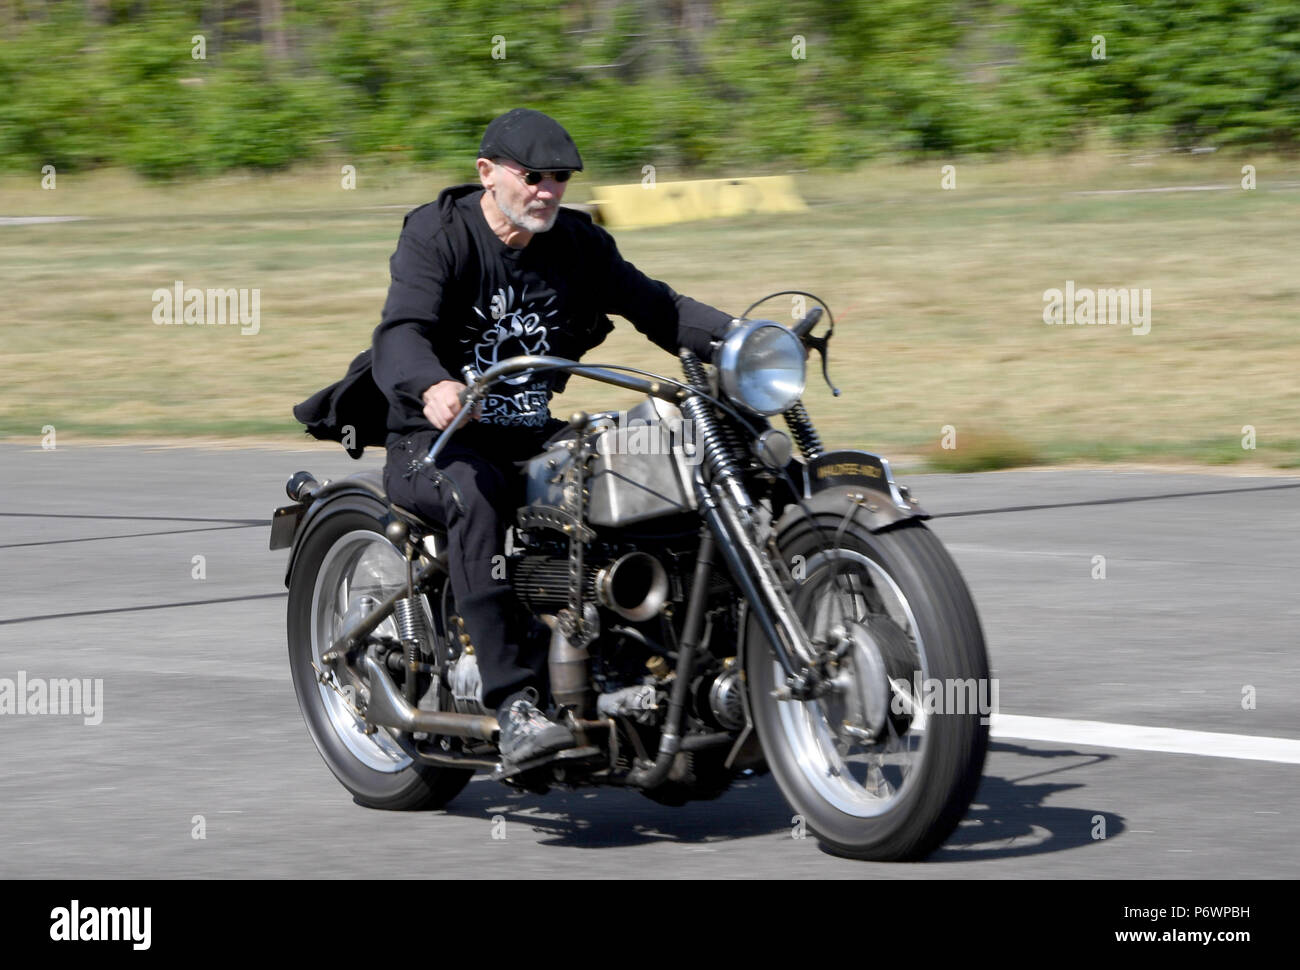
point(663, 203)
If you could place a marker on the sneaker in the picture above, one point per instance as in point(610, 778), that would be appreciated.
point(526, 732)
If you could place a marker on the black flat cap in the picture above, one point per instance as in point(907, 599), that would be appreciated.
point(532, 139)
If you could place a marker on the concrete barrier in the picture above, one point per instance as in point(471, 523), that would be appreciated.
point(664, 203)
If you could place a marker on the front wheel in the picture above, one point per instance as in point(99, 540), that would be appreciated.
point(345, 568)
point(875, 766)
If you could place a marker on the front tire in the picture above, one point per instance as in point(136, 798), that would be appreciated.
point(883, 789)
point(345, 558)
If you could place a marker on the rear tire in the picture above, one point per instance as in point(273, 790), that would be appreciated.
point(345, 557)
point(900, 797)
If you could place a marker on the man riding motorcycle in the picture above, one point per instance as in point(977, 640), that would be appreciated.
point(487, 272)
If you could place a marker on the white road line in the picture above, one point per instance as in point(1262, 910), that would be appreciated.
point(1136, 737)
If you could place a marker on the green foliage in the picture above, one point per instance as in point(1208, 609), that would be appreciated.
point(684, 85)
point(1220, 72)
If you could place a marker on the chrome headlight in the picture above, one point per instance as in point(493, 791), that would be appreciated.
point(762, 366)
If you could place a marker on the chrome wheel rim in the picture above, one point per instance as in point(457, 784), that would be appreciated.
point(860, 778)
point(360, 564)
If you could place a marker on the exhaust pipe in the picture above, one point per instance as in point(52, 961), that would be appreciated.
point(568, 663)
point(634, 586)
point(388, 708)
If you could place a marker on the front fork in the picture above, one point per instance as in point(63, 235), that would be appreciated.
point(730, 529)
point(729, 510)
point(799, 657)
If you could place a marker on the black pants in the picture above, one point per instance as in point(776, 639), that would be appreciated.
point(488, 488)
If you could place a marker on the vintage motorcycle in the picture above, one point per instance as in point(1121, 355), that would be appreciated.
point(716, 602)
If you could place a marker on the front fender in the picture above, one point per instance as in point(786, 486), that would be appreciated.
point(838, 500)
point(839, 480)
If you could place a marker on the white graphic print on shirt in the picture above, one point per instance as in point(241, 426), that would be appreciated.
point(515, 330)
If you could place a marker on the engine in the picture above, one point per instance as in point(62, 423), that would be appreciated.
point(633, 584)
point(629, 587)
point(629, 583)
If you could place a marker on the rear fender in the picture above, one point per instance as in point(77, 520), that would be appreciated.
point(362, 492)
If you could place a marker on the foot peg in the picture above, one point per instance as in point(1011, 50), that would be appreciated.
point(588, 753)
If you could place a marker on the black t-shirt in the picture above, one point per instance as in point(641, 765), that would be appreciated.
point(459, 295)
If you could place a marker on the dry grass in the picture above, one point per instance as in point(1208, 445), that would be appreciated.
point(938, 296)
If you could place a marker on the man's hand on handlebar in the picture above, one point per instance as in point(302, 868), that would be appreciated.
point(442, 403)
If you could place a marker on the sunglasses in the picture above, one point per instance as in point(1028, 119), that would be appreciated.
point(535, 178)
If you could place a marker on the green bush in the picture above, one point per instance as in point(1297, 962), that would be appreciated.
point(417, 79)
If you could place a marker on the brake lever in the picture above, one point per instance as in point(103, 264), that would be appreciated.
point(822, 346)
point(803, 330)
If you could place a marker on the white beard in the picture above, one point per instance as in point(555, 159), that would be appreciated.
point(529, 222)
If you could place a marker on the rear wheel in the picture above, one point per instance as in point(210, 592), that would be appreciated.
point(877, 770)
point(346, 567)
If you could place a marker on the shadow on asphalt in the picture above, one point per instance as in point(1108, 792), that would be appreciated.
point(1007, 819)
point(610, 818)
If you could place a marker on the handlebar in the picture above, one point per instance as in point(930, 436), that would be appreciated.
point(668, 390)
point(476, 383)
point(471, 377)
point(804, 326)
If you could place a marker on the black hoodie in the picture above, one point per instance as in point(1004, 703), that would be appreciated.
point(461, 296)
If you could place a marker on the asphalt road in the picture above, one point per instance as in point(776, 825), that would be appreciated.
point(1196, 626)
